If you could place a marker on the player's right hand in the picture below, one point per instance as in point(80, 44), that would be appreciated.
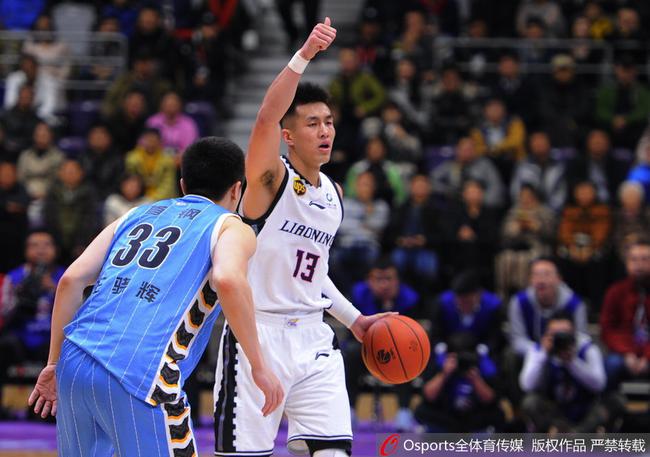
point(320, 38)
point(43, 397)
point(270, 385)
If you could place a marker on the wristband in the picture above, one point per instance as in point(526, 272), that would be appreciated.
point(298, 63)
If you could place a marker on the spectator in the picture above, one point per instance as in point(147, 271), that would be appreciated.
point(372, 52)
point(564, 108)
point(156, 167)
point(541, 172)
point(359, 235)
point(534, 52)
point(144, 78)
point(460, 389)
point(476, 56)
point(71, 211)
point(13, 218)
point(355, 93)
point(389, 185)
point(624, 106)
point(125, 11)
point(563, 378)
point(632, 219)
point(408, 92)
point(601, 25)
point(452, 108)
point(470, 232)
point(127, 124)
point(413, 234)
point(547, 11)
point(517, 91)
point(26, 331)
point(624, 318)
point(129, 196)
point(583, 52)
point(53, 56)
point(467, 307)
point(528, 232)
point(150, 37)
point(20, 14)
point(403, 144)
point(178, 130)
point(415, 42)
point(382, 291)
point(19, 123)
point(38, 165)
point(448, 177)
point(628, 37)
point(209, 62)
point(598, 166)
point(583, 238)
point(46, 88)
point(641, 171)
point(500, 137)
point(102, 164)
point(106, 50)
point(310, 12)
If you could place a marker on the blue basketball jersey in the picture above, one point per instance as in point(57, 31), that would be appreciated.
point(149, 317)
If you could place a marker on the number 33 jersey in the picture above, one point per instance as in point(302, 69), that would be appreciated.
point(150, 314)
point(294, 237)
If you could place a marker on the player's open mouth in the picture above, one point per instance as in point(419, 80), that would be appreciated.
point(325, 147)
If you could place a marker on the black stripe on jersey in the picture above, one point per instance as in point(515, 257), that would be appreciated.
point(258, 223)
point(175, 409)
point(224, 432)
point(172, 354)
point(160, 396)
point(179, 432)
point(170, 376)
point(187, 451)
point(196, 315)
point(209, 295)
point(183, 337)
point(338, 194)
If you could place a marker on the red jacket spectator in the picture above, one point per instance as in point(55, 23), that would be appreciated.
point(618, 316)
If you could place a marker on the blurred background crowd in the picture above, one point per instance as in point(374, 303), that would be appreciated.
point(495, 157)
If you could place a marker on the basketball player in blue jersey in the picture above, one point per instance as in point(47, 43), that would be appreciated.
point(162, 274)
point(296, 210)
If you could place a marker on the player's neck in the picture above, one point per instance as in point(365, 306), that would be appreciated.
point(310, 173)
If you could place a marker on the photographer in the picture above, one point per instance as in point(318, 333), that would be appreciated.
point(563, 377)
point(460, 394)
point(26, 329)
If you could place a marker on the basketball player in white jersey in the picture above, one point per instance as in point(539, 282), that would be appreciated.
point(296, 211)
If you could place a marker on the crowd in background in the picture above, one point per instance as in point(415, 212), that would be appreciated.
point(498, 192)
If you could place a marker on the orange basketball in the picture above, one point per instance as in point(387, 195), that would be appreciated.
point(395, 349)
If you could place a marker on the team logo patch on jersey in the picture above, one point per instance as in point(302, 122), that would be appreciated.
point(299, 187)
point(292, 322)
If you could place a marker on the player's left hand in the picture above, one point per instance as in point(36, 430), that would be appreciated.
point(363, 323)
point(44, 393)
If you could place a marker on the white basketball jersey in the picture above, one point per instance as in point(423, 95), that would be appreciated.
point(294, 237)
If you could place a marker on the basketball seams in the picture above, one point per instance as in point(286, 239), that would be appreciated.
point(406, 376)
point(422, 361)
point(372, 356)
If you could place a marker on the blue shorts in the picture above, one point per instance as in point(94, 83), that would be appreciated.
point(97, 417)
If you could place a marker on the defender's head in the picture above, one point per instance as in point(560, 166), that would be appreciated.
point(308, 126)
point(214, 168)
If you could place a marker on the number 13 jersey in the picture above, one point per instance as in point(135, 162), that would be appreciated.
point(294, 237)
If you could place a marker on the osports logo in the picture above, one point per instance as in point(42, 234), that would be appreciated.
point(389, 446)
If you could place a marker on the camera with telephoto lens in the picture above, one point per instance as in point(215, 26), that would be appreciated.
point(562, 341)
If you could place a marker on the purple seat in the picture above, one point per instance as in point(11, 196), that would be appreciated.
point(204, 115)
point(82, 115)
point(73, 146)
point(435, 155)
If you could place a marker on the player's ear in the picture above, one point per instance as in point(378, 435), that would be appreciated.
point(235, 191)
point(287, 136)
point(183, 187)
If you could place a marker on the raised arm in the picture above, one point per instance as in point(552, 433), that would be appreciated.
point(230, 258)
point(264, 169)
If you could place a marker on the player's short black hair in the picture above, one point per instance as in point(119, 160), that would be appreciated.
point(306, 93)
point(211, 165)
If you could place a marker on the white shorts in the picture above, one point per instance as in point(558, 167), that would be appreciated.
point(303, 354)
